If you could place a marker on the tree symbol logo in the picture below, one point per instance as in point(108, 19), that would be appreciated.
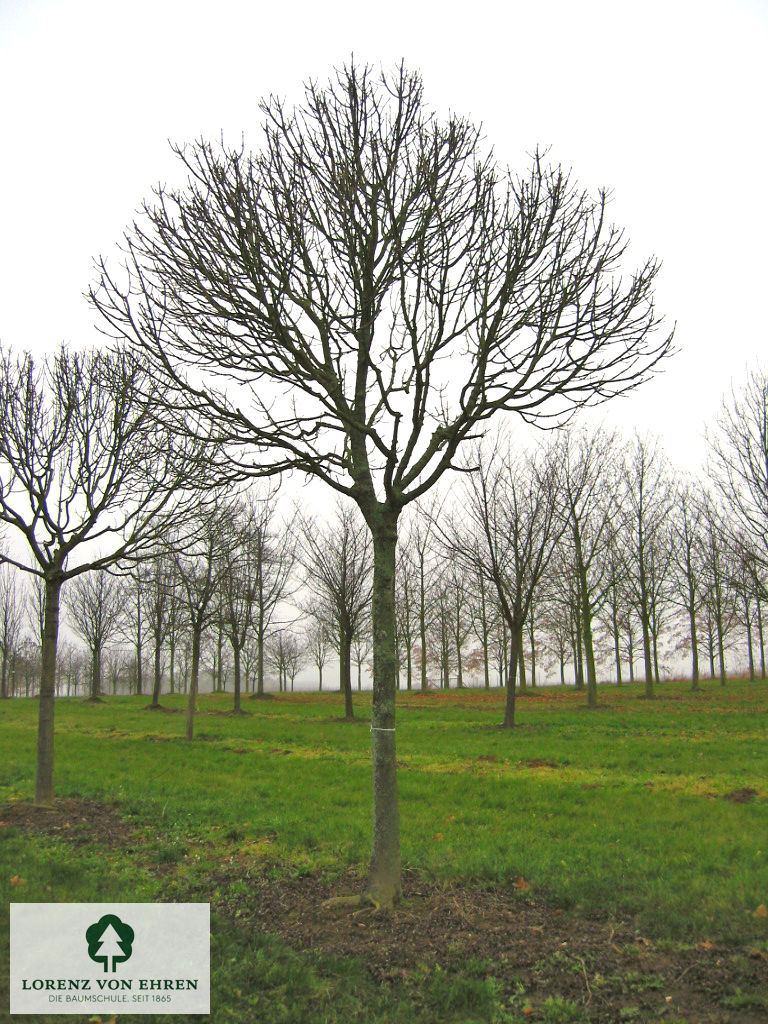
point(109, 939)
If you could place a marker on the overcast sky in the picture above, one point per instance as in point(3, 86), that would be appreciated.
point(663, 102)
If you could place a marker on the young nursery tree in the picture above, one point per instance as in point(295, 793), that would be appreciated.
point(88, 476)
point(96, 605)
point(360, 296)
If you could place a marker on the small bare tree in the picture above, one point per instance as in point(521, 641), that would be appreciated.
point(338, 561)
point(11, 622)
point(96, 604)
point(739, 458)
point(88, 475)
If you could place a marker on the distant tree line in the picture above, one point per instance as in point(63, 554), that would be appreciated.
point(588, 556)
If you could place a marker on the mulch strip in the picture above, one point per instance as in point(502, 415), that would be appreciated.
point(610, 970)
point(81, 822)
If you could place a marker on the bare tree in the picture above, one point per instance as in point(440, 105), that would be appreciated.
point(338, 563)
point(589, 484)
point(510, 533)
point(86, 470)
point(159, 582)
point(11, 621)
point(372, 288)
point(199, 568)
point(362, 644)
point(739, 458)
point(647, 505)
point(318, 644)
point(95, 602)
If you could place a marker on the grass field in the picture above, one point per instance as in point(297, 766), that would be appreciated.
point(646, 820)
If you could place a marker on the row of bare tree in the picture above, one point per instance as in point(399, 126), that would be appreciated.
point(589, 552)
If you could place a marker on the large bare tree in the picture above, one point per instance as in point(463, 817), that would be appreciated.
point(87, 474)
point(361, 295)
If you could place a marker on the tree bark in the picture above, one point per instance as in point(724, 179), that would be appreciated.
point(44, 777)
point(345, 671)
point(157, 680)
point(423, 623)
point(384, 872)
point(96, 673)
point(514, 649)
point(236, 670)
point(193, 681)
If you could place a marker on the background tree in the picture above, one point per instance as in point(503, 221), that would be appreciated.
point(318, 645)
point(199, 567)
point(739, 459)
point(95, 602)
point(329, 277)
point(647, 505)
point(337, 561)
point(86, 472)
point(510, 532)
point(11, 622)
point(159, 582)
point(589, 487)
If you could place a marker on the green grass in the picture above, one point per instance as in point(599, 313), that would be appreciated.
point(626, 817)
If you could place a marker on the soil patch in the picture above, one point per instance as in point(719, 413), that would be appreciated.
point(608, 969)
point(81, 822)
point(538, 762)
point(741, 796)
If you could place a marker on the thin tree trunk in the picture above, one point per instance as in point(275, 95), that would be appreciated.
point(760, 636)
point(44, 776)
point(384, 872)
point(236, 669)
point(694, 641)
point(157, 680)
point(345, 672)
point(750, 652)
point(423, 624)
point(514, 648)
point(193, 681)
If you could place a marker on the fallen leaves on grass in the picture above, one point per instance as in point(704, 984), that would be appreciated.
point(520, 884)
point(762, 911)
point(15, 880)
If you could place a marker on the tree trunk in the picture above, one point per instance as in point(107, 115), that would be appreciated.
point(616, 637)
point(423, 623)
point(521, 660)
point(44, 777)
point(760, 636)
point(172, 660)
point(193, 681)
point(157, 680)
point(96, 674)
point(384, 872)
point(631, 651)
point(236, 670)
point(345, 671)
point(694, 641)
point(484, 635)
point(586, 633)
point(4, 674)
point(647, 655)
point(514, 649)
point(139, 644)
point(750, 652)
point(533, 647)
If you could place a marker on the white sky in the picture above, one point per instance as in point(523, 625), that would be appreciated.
point(664, 102)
